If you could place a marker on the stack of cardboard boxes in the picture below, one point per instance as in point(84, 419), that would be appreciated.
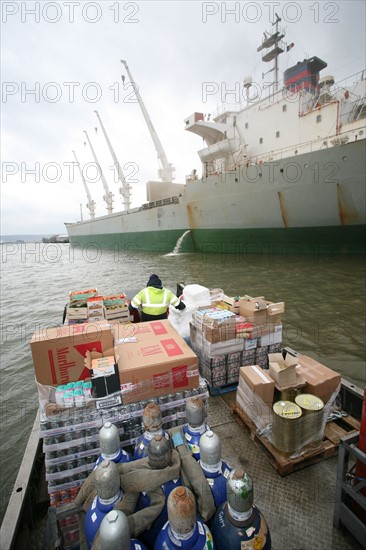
point(235, 332)
point(146, 361)
point(77, 307)
point(116, 308)
point(289, 375)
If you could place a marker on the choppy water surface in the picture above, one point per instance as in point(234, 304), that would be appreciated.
point(324, 297)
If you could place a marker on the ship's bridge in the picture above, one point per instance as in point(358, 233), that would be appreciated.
point(211, 132)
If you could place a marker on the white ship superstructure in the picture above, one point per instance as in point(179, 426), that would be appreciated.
point(287, 169)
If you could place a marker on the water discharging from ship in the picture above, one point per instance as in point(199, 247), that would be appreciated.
point(178, 244)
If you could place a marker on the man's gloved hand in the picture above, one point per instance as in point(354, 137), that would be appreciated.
point(177, 439)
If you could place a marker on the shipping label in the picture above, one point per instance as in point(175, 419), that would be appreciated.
point(180, 378)
point(161, 380)
point(171, 347)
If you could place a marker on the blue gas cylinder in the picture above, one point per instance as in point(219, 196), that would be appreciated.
point(200, 539)
point(238, 522)
point(121, 457)
point(149, 536)
point(107, 484)
point(216, 471)
point(152, 422)
point(110, 446)
point(141, 447)
point(195, 426)
point(183, 530)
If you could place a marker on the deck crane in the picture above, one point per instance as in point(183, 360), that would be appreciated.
point(90, 204)
point(166, 171)
point(125, 189)
point(108, 197)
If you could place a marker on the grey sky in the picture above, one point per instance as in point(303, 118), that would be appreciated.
point(171, 53)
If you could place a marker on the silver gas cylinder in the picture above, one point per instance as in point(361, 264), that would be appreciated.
point(195, 411)
point(210, 449)
point(107, 480)
point(114, 533)
point(159, 453)
point(109, 439)
point(239, 492)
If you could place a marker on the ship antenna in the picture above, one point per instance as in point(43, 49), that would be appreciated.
point(273, 39)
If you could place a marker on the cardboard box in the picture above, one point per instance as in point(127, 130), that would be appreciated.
point(219, 334)
point(155, 361)
point(273, 337)
point(258, 310)
point(283, 370)
point(259, 381)
point(253, 406)
point(250, 343)
point(320, 380)
point(58, 353)
point(104, 377)
point(248, 309)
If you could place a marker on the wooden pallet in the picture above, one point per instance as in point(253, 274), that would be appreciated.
point(215, 391)
point(285, 465)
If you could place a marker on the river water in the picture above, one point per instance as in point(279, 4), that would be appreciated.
point(324, 317)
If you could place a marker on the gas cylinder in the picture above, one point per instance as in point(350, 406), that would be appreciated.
point(216, 471)
point(107, 484)
point(183, 530)
point(160, 456)
point(114, 533)
point(195, 426)
point(152, 421)
point(238, 523)
point(110, 445)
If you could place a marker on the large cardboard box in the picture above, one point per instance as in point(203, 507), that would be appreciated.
point(58, 353)
point(155, 361)
point(258, 310)
point(320, 380)
point(282, 370)
point(273, 337)
point(259, 381)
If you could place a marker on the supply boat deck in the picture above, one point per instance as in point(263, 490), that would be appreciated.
point(298, 508)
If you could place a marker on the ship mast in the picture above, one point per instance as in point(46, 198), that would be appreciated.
point(165, 173)
point(268, 41)
point(125, 187)
point(90, 204)
point(108, 197)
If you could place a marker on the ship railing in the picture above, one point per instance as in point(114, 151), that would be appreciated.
point(279, 154)
point(160, 202)
point(301, 148)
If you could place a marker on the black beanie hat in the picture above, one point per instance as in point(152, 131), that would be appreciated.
point(154, 281)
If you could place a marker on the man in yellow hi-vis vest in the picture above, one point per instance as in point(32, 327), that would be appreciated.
point(154, 300)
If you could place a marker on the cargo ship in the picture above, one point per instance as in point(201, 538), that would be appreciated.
point(284, 172)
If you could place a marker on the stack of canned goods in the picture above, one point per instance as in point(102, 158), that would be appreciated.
point(71, 438)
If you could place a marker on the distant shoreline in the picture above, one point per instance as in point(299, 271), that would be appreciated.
point(19, 239)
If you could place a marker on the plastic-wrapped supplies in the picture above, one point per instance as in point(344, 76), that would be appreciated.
point(194, 296)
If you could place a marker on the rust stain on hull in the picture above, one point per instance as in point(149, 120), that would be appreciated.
point(283, 209)
point(346, 209)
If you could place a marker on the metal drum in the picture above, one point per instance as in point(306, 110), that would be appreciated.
point(286, 430)
point(312, 418)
